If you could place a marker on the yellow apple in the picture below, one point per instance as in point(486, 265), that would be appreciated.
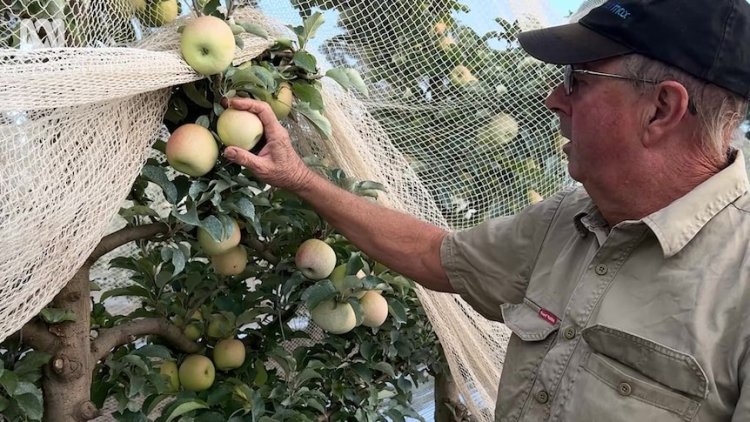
point(231, 262)
point(212, 246)
point(374, 309)
point(229, 354)
point(197, 373)
point(315, 259)
point(282, 103)
point(157, 12)
point(191, 149)
point(169, 370)
point(461, 75)
point(219, 326)
point(239, 128)
point(334, 317)
point(501, 129)
point(207, 45)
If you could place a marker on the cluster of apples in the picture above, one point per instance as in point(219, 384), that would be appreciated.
point(197, 372)
point(316, 260)
point(227, 256)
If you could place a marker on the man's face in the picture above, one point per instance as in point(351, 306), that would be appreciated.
point(601, 119)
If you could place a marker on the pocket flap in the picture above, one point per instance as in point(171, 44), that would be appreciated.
point(529, 321)
point(675, 369)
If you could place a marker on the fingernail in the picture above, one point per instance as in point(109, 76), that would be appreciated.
point(230, 154)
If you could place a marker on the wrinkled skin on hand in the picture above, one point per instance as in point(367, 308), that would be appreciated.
point(277, 164)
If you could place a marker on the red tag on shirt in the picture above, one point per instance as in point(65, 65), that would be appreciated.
point(548, 316)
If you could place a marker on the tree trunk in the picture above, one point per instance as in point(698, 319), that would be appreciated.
point(448, 406)
point(67, 381)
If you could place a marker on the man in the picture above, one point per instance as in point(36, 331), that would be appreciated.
point(628, 298)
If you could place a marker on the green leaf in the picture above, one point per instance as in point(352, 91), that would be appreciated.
point(311, 25)
point(8, 380)
point(339, 75)
point(181, 407)
point(261, 376)
point(397, 310)
point(356, 80)
point(203, 120)
point(318, 292)
point(199, 97)
point(308, 93)
point(305, 61)
point(3, 403)
point(190, 217)
point(136, 291)
point(306, 375)
point(154, 351)
point(254, 29)
point(31, 362)
point(152, 401)
point(137, 211)
point(214, 227)
point(385, 368)
point(317, 119)
point(157, 175)
point(57, 315)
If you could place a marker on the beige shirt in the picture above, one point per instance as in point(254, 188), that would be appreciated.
point(646, 321)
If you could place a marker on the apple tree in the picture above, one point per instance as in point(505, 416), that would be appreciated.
point(250, 306)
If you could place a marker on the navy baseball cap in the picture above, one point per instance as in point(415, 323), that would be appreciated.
point(709, 39)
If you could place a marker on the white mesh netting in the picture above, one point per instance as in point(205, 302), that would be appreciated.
point(454, 127)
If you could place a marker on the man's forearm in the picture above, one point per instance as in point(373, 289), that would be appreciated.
point(399, 241)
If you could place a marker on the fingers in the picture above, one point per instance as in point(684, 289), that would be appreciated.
point(240, 156)
point(271, 124)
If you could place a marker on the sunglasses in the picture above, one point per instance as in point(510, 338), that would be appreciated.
point(569, 81)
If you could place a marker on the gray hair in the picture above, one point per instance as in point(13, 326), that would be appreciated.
point(719, 111)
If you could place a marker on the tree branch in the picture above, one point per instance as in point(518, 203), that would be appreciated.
point(260, 247)
point(35, 334)
point(121, 237)
point(110, 338)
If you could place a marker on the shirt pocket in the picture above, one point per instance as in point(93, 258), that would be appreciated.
point(627, 378)
point(529, 321)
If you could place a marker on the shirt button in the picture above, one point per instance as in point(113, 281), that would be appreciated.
point(569, 333)
point(601, 269)
point(542, 397)
point(624, 389)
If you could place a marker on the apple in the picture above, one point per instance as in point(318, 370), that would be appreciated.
point(282, 103)
point(193, 331)
point(169, 370)
point(461, 75)
point(231, 262)
point(500, 130)
point(191, 149)
point(239, 128)
point(440, 28)
point(207, 45)
point(374, 309)
point(447, 43)
point(334, 317)
point(337, 277)
point(212, 246)
point(315, 259)
point(229, 354)
point(197, 373)
point(156, 12)
point(219, 326)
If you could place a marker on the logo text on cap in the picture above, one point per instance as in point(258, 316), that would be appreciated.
point(617, 10)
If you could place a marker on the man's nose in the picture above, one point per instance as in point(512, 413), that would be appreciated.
point(556, 99)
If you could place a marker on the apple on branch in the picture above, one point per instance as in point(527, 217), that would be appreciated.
point(231, 262)
point(334, 317)
point(315, 259)
point(207, 45)
point(213, 246)
point(374, 309)
point(156, 12)
point(239, 128)
point(191, 149)
point(229, 354)
point(197, 373)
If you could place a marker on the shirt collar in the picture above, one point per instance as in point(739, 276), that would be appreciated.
point(678, 223)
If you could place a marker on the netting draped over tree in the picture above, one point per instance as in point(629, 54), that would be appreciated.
point(454, 127)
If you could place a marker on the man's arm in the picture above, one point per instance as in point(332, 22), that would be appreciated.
point(399, 241)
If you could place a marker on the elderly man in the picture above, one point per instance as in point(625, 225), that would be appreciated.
point(628, 298)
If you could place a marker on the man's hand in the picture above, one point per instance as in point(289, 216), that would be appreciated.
point(277, 163)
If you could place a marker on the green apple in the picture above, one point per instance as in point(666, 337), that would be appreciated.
point(169, 370)
point(197, 373)
point(229, 354)
point(315, 259)
point(212, 246)
point(219, 326)
point(239, 128)
point(156, 12)
point(193, 331)
point(500, 130)
point(207, 45)
point(231, 262)
point(334, 317)
point(374, 309)
point(191, 149)
point(337, 277)
point(282, 103)
point(461, 75)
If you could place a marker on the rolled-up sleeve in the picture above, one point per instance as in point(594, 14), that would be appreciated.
point(490, 264)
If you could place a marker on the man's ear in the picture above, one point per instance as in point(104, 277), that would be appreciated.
point(668, 109)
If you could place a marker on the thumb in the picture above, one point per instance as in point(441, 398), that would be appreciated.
point(240, 156)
